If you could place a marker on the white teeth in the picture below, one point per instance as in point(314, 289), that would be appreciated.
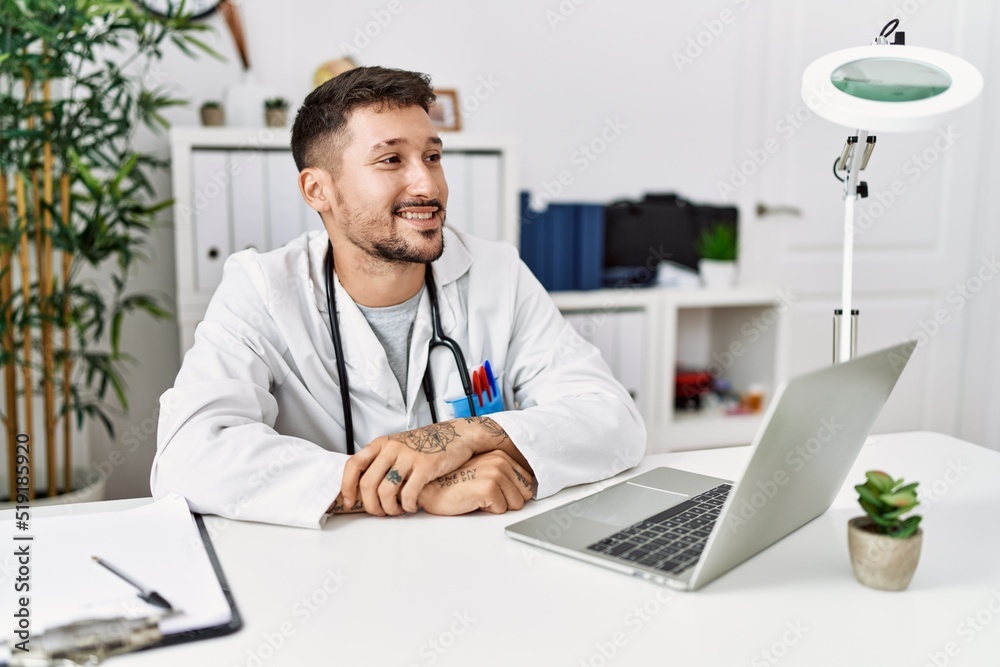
point(409, 215)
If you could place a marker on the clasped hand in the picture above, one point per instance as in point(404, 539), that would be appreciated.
point(439, 469)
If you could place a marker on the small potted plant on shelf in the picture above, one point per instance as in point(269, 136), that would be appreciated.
point(212, 114)
point(717, 248)
point(884, 546)
point(276, 111)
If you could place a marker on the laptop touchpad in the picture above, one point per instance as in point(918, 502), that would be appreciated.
point(625, 504)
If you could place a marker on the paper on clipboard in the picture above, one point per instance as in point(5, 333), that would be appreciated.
point(157, 544)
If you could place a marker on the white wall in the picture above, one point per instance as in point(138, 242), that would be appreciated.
point(559, 73)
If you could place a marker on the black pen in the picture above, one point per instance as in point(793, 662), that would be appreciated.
point(150, 596)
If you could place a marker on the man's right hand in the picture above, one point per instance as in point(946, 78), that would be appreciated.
point(492, 482)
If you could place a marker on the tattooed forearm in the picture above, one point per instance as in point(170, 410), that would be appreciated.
point(429, 439)
point(491, 426)
point(457, 477)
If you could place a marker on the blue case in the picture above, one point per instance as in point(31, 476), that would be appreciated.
point(460, 406)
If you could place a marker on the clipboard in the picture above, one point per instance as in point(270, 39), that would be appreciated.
point(165, 545)
point(236, 621)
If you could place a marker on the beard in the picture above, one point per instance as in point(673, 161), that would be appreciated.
point(394, 248)
point(383, 238)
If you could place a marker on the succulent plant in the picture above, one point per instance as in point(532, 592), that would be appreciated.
point(886, 501)
point(211, 104)
point(276, 103)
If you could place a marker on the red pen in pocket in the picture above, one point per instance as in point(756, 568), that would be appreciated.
point(477, 387)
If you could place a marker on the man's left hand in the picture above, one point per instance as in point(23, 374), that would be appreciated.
point(391, 471)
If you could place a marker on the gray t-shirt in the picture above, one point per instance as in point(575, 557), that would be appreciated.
point(393, 326)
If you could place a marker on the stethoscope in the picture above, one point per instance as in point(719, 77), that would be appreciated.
point(437, 339)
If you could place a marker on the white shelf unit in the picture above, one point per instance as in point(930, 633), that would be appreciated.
point(236, 188)
point(738, 332)
point(623, 324)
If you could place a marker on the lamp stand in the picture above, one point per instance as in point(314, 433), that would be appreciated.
point(845, 329)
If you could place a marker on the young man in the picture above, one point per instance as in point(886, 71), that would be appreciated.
point(256, 425)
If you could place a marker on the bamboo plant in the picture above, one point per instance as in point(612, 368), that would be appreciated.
point(76, 82)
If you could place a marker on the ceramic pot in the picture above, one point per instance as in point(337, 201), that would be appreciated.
point(717, 273)
point(879, 561)
point(93, 492)
point(276, 117)
point(213, 116)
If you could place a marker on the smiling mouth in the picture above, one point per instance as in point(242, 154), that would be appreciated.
point(413, 215)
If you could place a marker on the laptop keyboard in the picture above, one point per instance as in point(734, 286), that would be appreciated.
point(671, 541)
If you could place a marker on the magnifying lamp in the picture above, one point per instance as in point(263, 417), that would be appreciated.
point(885, 87)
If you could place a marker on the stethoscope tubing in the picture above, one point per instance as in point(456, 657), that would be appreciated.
point(437, 339)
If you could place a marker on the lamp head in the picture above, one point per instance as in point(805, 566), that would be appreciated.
point(889, 88)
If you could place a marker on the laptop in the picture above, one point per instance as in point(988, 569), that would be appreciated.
point(684, 530)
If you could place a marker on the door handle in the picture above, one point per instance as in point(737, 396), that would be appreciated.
point(764, 210)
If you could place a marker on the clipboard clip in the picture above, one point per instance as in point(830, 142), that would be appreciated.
point(89, 642)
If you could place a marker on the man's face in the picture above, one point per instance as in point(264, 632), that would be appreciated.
point(389, 189)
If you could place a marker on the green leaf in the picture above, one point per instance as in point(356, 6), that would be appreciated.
point(899, 500)
point(872, 499)
point(907, 528)
point(124, 172)
point(876, 515)
point(116, 331)
point(900, 512)
point(92, 184)
point(880, 480)
point(204, 47)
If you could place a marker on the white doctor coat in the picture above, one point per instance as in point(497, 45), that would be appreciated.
point(253, 427)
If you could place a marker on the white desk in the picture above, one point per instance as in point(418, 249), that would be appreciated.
point(423, 590)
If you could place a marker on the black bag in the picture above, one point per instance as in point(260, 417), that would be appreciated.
point(638, 235)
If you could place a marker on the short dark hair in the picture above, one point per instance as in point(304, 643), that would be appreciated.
point(323, 115)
